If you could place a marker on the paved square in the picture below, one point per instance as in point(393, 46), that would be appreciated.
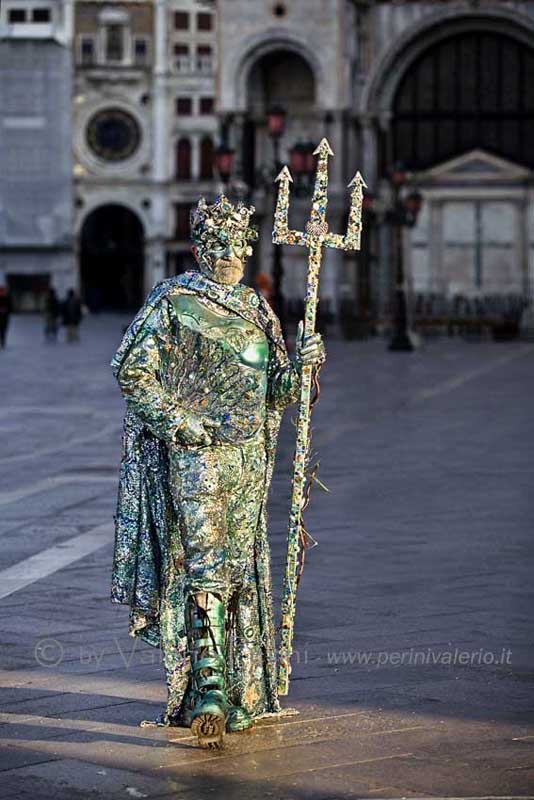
point(414, 661)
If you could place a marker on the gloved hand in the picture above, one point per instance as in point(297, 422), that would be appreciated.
point(196, 429)
point(309, 350)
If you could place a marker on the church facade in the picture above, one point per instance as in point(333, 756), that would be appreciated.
point(438, 91)
point(36, 201)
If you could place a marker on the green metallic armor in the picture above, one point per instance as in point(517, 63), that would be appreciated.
point(205, 375)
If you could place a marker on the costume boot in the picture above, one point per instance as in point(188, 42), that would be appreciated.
point(205, 619)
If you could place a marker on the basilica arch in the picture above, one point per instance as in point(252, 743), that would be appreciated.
point(111, 254)
point(260, 47)
point(451, 100)
point(377, 96)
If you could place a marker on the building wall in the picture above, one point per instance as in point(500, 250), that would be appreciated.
point(191, 76)
point(354, 52)
point(35, 158)
point(147, 181)
point(391, 36)
point(106, 84)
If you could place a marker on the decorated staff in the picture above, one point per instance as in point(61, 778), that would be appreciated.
point(315, 237)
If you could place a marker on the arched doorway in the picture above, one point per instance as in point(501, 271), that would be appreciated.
point(206, 158)
point(278, 78)
point(281, 77)
point(470, 90)
point(112, 259)
point(462, 114)
point(183, 159)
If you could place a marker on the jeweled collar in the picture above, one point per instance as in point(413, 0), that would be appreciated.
point(233, 295)
point(241, 299)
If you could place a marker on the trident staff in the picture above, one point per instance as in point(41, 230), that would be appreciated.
point(315, 237)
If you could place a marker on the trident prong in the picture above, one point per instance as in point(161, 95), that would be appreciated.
point(314, 238)
point(317, 226)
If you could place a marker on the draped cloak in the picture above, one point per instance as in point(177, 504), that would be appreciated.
point(147, 542)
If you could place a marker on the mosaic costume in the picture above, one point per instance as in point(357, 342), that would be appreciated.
point(191, 553)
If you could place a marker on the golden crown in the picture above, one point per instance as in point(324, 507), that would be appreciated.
point(222, 220)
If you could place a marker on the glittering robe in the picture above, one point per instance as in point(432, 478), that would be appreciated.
point(168, 361)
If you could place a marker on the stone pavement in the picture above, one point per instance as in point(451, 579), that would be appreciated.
point(414, 667)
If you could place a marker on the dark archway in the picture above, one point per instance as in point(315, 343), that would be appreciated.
point(112, 259)
point(183, 159)
point(206, 158)
point(279, 78)
point(468, 90)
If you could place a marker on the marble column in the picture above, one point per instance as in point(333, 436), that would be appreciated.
point(155, 247)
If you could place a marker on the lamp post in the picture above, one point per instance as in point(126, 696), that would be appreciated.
point(402, 214)
point(224, 162)
point(302, 166)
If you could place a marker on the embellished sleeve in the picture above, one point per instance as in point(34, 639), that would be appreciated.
point(283, 381)
point(283, 376)
point(140, 378)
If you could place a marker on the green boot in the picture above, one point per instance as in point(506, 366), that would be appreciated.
point(205, 620)
point(238, 719)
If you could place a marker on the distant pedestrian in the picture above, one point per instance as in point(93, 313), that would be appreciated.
point(51, 311)
point(71, 311)
point(5, 312)
point(264, 285)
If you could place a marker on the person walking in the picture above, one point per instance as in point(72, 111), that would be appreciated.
point(72, 315)
point(5, 312)
point(51, 313)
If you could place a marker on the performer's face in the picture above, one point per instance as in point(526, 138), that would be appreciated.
point(228, 269)
point(225, 261)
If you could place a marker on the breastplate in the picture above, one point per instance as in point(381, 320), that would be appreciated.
point(222, 369)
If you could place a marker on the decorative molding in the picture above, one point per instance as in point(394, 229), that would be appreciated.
point(476, 167)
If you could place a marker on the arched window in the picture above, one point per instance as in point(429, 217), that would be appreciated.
point(470, 90)
point(183, 160)
point(206, 158)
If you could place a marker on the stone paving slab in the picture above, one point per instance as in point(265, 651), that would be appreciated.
point(425, 543)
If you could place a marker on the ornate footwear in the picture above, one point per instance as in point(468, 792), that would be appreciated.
point(238, 719)
point(205, 620)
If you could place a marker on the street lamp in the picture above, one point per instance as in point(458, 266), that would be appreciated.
point(302, 162)
point(402, 214)
point(297, 159)
point(276, 123)
point(224, 162)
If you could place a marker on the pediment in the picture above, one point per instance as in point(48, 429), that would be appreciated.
point(476, 166)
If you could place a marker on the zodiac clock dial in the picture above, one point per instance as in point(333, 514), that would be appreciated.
point(113, 134)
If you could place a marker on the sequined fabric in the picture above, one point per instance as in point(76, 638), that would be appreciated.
point(195, 517)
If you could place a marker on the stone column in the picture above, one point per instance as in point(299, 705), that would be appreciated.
point(338, 199)
point(237, 143)
point(154, 261)
point(195, 157)
point(155, 245)
point(385, 282)
point(368, 155)
point(67, 31)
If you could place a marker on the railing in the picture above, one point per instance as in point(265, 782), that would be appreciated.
point(194, 64)
point(496, 315)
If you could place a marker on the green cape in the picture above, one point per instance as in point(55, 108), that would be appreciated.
point(145, 517)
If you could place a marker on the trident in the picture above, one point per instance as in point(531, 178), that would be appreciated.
point(314, 238)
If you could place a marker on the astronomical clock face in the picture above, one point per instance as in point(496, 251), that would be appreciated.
point(113, 134)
